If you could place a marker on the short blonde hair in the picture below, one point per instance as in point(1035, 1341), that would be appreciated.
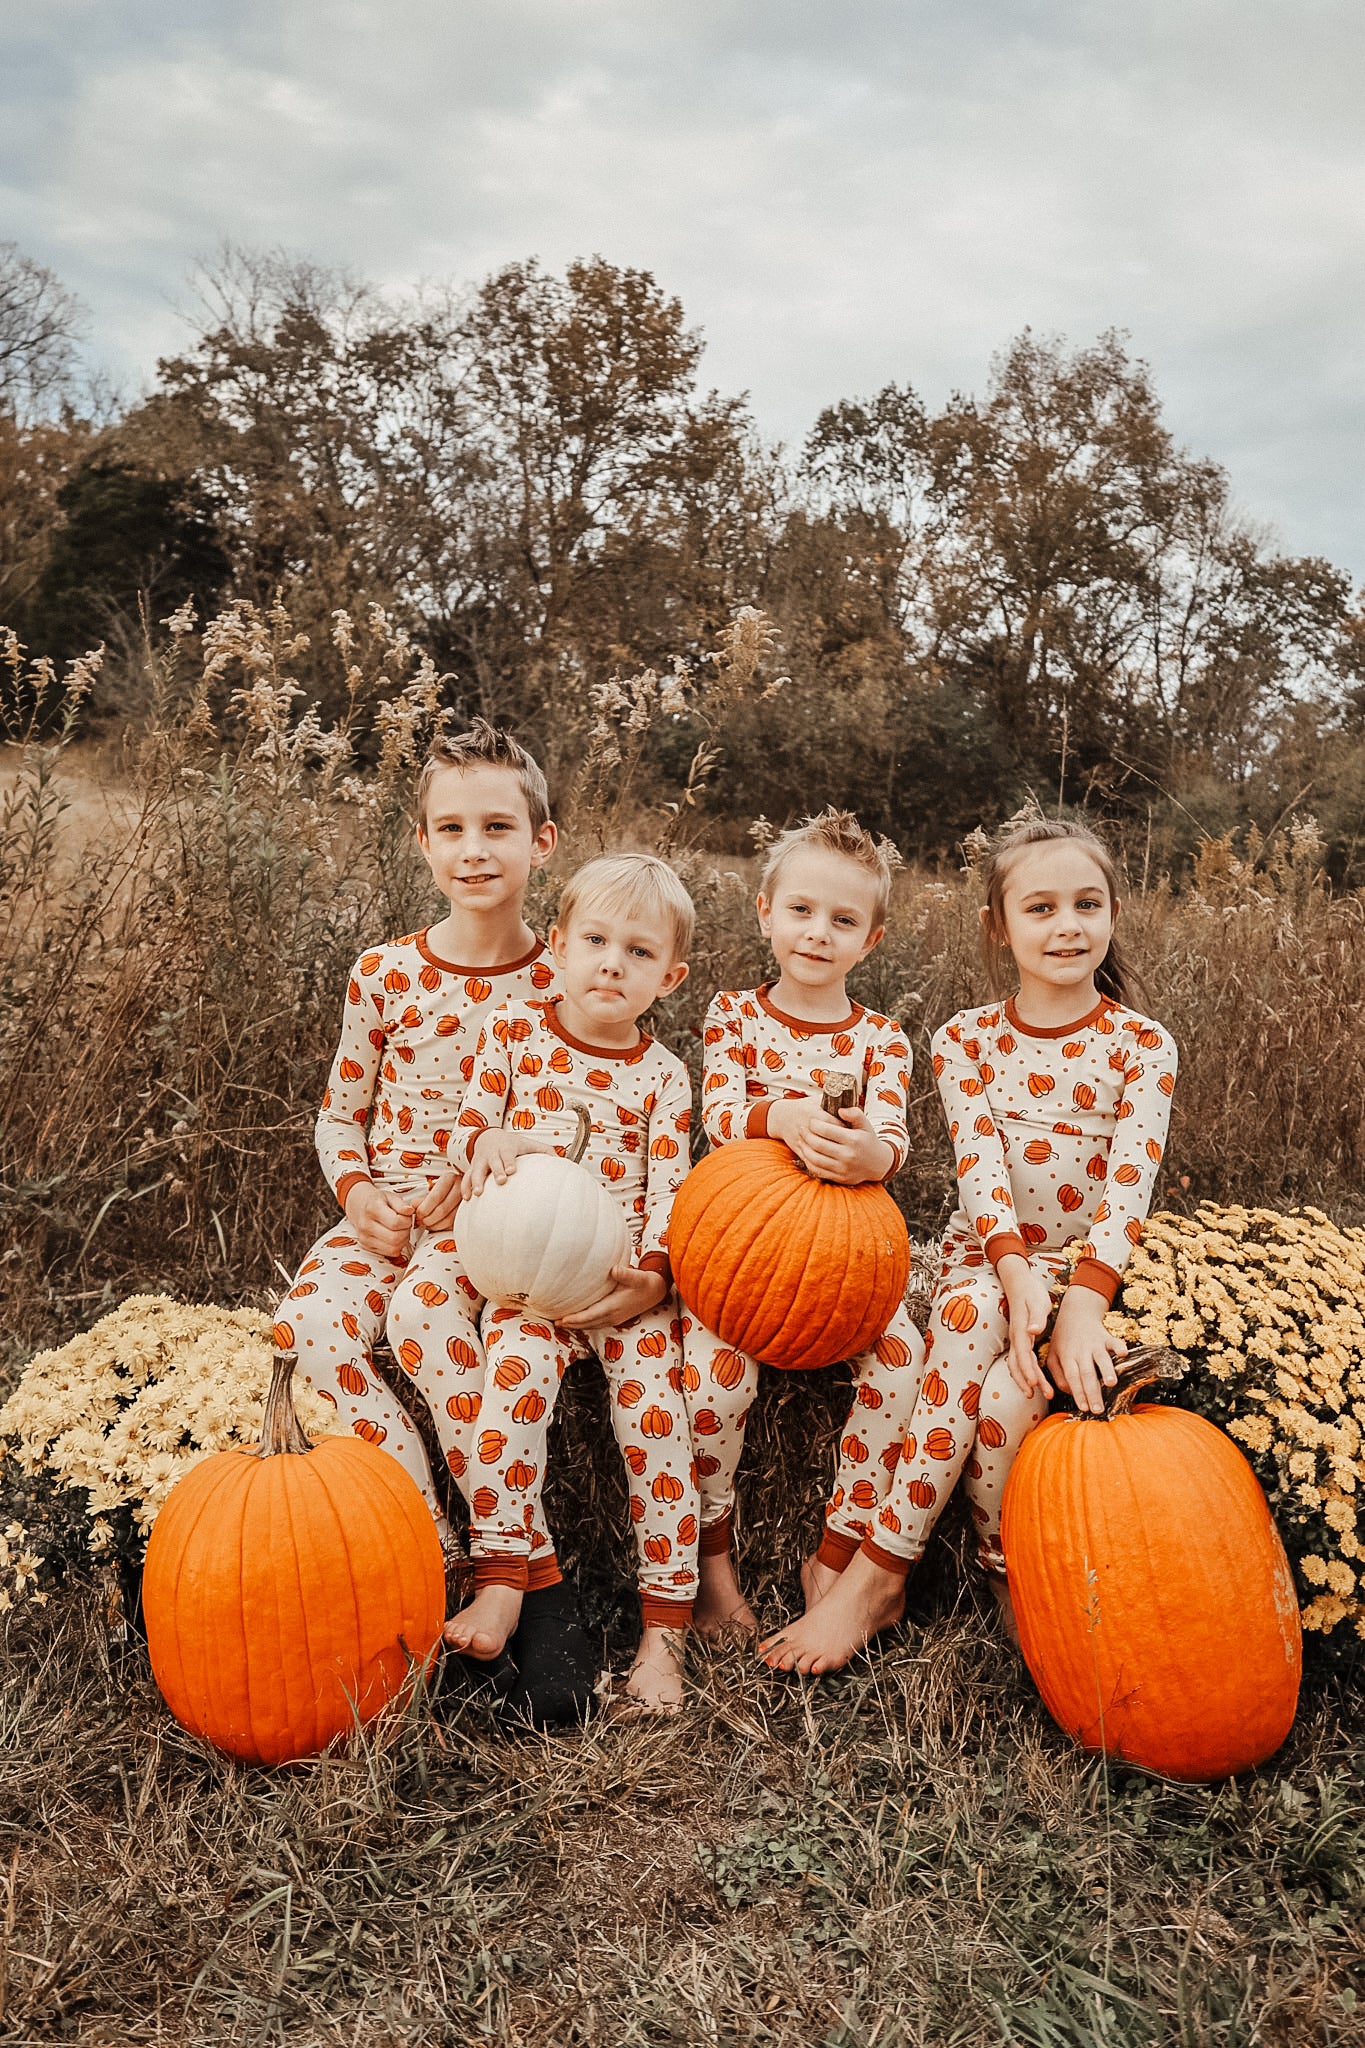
point(835, 832)
point(631, 884)
point(485, 746)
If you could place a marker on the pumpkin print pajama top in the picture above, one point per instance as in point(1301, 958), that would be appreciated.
point(1059, 1134)
point(410, 1023)
point(531, 1075)
point(755, 1055)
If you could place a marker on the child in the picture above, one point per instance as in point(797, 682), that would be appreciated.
point(822, 907)
point(409, 1027)
point(1057, 1104)
point(624, 927)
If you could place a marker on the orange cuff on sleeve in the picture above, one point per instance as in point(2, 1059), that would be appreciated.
point(1004, 1244)
point(1093, 1273)
point(346, 1183)
point(657, 1262)
point(756, 1119)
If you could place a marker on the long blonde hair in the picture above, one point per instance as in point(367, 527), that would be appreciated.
point(1114, 977)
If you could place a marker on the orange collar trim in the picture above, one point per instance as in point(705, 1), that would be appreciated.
point(453, 966)
point(549, 1010)
point(1058, 1030)
point(801, 1024)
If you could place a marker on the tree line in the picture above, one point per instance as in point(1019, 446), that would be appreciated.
point(1030, 590)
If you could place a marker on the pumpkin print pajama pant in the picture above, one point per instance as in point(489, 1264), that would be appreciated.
point(345, 1299)
point(527, 1360)
point(970, 1416)
point(720, 1384)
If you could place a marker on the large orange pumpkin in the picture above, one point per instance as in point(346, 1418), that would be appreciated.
point(1155, 1603)
point(289, 1589)
point(793, 1270)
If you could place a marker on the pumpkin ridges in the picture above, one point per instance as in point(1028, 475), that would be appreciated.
point(1206, 1633)
point(202, 1492)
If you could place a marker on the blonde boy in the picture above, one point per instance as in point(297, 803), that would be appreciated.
point(412, 1016)
point(822, 907)
point(620, 943)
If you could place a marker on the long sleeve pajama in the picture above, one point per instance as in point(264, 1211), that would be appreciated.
point(755, 1055)
point(410, 1023)
point(529, 1073)
point(1058, 1135)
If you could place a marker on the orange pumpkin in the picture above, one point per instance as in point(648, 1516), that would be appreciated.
point(790, 1269)
point(1155, 1603)
point(290, 1589)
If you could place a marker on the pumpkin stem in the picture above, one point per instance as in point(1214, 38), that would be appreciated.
point(580, 1143)
point(1149, 1365)
point(281, 1431)
point(840, 1092)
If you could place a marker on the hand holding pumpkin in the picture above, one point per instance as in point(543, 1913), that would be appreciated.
point(496, 1152)
point(436, 1210)
point(1082, 1352)
point(634, 1290)
point(381, 1220)
point(844, 1149)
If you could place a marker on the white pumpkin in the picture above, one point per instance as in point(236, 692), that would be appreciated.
point(548, 1238)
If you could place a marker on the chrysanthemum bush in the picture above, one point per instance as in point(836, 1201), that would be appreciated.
point(1269, 1308)
point(116, 1416)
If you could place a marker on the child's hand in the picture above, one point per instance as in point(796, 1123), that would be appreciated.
point(1030, 1305)
point(381, 1221)
point(632, 1293)
point(436, 1210)
point(496, 1151)
point(843, 1149)
point(1082, 1352)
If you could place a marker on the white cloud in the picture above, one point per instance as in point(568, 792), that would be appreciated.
point(840, 193)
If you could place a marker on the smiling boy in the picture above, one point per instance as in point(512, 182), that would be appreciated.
point(413, 1012)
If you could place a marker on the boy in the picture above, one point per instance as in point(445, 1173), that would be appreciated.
point(619, 944)
point(822, 906)
point(414, 1008)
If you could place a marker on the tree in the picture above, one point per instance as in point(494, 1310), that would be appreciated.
point(40, 322)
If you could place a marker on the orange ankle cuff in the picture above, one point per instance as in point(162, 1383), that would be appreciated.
point(887, 1559)
point(501, 1571)
point(542, 1572)
point(656, 1612)
point(837, 1550)
point(714, 1540)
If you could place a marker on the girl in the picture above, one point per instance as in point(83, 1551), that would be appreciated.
point(1057, 1103)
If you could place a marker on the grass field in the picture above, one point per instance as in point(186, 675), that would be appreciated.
point(907, 1853)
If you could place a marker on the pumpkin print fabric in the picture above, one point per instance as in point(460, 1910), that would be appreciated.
point(410, 1025)
point(531, 1075)
point(1059, 1135)
point(755, 1055)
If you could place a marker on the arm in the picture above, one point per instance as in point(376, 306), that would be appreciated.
point(349, 1096)
point(982, 1174)
point(642, 1285)
point(1082, 1353)
point(486, 1097)
point(726, 1061)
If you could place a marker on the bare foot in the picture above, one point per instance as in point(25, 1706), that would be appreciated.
point(863, 1599)
point(721, 1607)
point(482, 1628)
point(1004, 1600)
point(816, 1580)
point(654, 1684)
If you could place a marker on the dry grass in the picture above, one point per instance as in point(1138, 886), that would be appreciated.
point(906, 1854)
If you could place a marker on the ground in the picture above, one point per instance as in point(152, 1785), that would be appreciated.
point(909, 1853)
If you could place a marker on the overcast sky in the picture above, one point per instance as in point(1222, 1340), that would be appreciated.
point(842, 192)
